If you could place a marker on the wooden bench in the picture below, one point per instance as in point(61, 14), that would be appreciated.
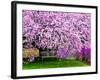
point(47, 54)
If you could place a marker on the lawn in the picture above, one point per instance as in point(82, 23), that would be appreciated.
point(53, 63)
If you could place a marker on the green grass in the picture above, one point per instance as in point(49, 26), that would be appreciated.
point(53, 63)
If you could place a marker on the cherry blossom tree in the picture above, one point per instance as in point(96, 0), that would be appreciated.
point(58, 31)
